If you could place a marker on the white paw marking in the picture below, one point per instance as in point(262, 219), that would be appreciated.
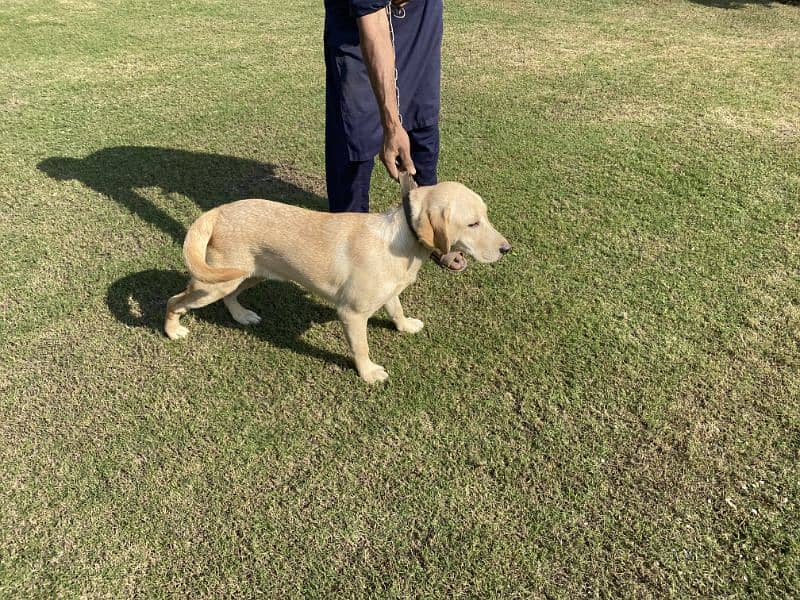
point(374, 374)
point(247, 317)
point(180, 332)
point(412, 326)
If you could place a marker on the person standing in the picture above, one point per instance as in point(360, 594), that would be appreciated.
point(383, 71)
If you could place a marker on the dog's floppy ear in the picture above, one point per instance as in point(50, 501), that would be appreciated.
point(432, 221)
point(432, 228)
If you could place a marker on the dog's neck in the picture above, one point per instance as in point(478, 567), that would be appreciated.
point(405, 234)
point(403, 239)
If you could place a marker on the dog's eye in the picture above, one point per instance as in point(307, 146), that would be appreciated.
point(475, 224)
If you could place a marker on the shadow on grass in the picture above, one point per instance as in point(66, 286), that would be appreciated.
point(207, 179)
point(286, 310)
point(743, 3)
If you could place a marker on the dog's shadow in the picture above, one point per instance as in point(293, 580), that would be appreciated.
point(287, 311)
point(209, 180)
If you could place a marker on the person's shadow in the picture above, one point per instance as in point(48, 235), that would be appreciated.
point(207, 179)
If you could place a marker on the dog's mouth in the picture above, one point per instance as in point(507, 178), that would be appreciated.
point(481, 257)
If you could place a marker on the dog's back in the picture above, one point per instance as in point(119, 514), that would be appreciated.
point(273, 240)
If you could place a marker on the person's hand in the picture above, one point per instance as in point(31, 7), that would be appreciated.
point(400, 3)
point(397, 148)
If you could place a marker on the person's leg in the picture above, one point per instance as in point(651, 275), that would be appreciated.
point(348, 182)
point(425, 153)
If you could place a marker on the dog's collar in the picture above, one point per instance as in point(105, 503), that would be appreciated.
point(407, 213)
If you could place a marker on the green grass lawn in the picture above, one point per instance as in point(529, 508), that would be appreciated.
point(611, 410)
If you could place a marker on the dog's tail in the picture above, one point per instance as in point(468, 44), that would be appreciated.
point(194, 252)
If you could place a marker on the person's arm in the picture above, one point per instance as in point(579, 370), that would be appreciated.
point(376, 47)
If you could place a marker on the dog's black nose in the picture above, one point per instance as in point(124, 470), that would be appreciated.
point(505, 248)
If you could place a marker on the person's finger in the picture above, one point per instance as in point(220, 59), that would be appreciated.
point(389, 161)
point(408, 164)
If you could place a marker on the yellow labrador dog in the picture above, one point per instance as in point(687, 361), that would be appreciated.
point(359, 262)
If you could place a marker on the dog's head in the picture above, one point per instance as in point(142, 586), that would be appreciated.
point(449, 216)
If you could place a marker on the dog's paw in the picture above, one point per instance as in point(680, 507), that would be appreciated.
point(374, 374)
point(247, 317)
point(179, 332)
point(411, 326)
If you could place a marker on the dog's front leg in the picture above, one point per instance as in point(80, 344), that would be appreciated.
point(395, 310)
point(355, 329)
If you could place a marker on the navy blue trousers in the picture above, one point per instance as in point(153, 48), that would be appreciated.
point(348, 181)
point(353, 132)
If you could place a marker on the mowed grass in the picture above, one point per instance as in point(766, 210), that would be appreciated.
point(611, 410)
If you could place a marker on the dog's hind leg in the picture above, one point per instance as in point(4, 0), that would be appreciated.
point(196, 295)
point(239, 312)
